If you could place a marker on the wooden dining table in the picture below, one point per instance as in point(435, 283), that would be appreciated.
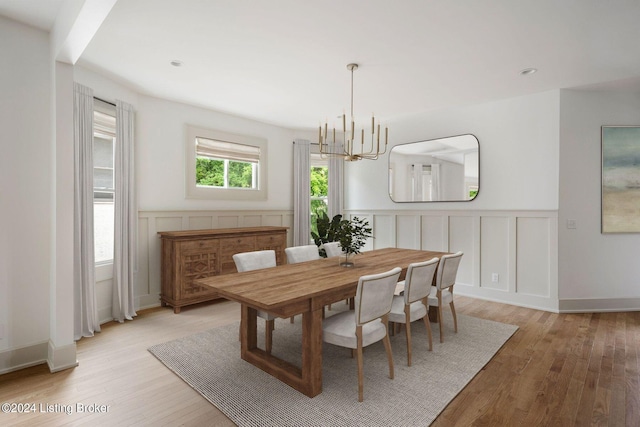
point(303, 288)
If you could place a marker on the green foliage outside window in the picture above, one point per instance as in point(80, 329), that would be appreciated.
point(240, 174)
point(319, 188)
point(210, 172)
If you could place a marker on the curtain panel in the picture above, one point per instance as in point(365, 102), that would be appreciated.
point(126, 217)
point(301, 192)
point(85, 310)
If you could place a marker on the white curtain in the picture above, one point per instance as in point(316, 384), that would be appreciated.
point(125, 221)
point(435, 182)
point(336, 179)
point(301, 193)
point(417, 182)
point(85, 312)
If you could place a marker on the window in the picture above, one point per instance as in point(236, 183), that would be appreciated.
point(104, 139)
point(220, 165)
point(226, 164)
point(319, 188)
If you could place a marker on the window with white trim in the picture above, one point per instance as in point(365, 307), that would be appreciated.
point(319, 191)
point(221, 165)
point(224, 164)
point(104, 140)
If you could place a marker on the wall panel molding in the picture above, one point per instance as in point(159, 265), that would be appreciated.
point(519, 246)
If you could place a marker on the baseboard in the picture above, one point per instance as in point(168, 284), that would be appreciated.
point(61, 358)
point(587, 305)
point(24, 357)
point(504, 297)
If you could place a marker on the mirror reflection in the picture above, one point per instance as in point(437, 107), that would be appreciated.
point(438, 170)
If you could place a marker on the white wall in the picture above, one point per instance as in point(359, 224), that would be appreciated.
point(519, 158)
point(511, 227)
point(160, 141)
point(25, 176)
point(597, 271)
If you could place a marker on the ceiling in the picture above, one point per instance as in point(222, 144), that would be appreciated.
point(284, 61)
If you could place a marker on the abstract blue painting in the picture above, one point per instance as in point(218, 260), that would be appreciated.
point(620, 179)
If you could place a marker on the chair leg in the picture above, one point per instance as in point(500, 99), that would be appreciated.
point(359, 356)
point(407, 326)
point(428, 326)
point(291, 319)
point(268, 335)
point(387, 346)
point(440, 318)
point(455, 318)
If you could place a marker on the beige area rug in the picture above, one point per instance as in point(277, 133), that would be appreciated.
point(210, 363)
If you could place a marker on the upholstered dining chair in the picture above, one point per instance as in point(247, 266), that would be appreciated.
point(368, 322)
point(296, 254)
point(304, 253)
point(442, 292)
point(332, 249)
point(256, 260)
point(412, 305)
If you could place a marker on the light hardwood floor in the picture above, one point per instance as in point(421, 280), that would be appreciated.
point(557, 369)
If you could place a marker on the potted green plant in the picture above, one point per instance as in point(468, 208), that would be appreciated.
point(327, 230)
point(352, 235)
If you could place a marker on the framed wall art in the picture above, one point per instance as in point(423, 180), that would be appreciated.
point(620, 179)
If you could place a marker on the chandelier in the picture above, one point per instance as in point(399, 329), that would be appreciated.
point(347, 147)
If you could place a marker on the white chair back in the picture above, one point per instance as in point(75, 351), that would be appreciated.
point(255, 260)
point(447, 270)
point(375, 295)
point(297, 254)
point(417, 284)
point(332, 249)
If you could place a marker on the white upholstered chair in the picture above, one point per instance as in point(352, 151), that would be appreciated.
point(412, 305)
point(368, 322)
point(442, 292)
point(296, 254)
point(304, 253)
point(256, 260)
point(332, 249)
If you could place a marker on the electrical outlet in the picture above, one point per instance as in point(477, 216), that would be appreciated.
point(495, 277)
point(571, 224)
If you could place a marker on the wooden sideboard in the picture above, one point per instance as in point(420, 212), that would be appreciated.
point(196, 254)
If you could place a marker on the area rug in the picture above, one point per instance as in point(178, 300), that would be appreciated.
point(210, 363)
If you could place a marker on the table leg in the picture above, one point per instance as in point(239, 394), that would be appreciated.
point(248, 329)
point(312, 352)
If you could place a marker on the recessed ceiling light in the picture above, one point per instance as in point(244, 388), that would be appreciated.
point(528, 71)
point(176, 63)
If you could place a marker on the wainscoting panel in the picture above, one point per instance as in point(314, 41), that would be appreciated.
point(463, 236)
point(383, 230)
point(533, 249)
point(435, 233)
point(494, 247)
point(200, 222)
point(519, 246)
point(406, 227)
